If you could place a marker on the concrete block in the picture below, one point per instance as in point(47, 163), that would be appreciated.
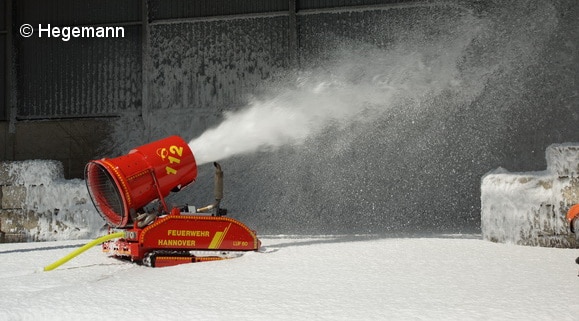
point(570, 191)
point(30, 172)
point(13, 197)
point(5, 177)
point(17, 225)
point(13, 220)
point(563, 159)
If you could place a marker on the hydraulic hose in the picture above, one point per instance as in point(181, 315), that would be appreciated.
point(80, 250)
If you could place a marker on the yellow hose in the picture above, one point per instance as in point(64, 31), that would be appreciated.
point(85, 247)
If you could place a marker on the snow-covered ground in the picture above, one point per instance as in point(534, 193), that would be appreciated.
point(445, 277)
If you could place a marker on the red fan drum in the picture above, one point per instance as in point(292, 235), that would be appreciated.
point(120, 186)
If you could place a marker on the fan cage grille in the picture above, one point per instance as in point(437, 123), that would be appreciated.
point(105, 194)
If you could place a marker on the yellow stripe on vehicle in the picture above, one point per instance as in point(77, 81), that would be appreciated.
point(218, 238)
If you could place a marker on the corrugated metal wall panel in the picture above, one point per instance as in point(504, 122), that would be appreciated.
point(74, 12)
point(2, 14)
point(322, 34)
point(214, 64)
point(160, 9)
point(98, 77)
point(81, 77)
point(320, 4)
point(3, 91)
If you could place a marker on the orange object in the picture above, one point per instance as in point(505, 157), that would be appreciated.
point(573, 216)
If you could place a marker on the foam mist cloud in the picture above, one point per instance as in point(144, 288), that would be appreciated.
point(354, 89)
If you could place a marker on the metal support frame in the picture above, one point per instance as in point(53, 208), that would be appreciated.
point(145, 65)
point(10, 66)
point(293, 34)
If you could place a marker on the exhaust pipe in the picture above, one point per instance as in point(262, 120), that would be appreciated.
point(218, 193)
point(218, 179)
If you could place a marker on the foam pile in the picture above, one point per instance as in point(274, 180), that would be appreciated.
point(529, 208)
point(40, 205)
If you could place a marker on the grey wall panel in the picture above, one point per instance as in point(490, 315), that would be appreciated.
point(323, 35)
point(320, 4)
point(160, 9)
point(2, 15)
point(3, 107)
point(81, 77)
point(214, 64)
point(74, 12)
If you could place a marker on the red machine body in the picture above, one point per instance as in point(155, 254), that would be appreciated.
point(171, 239)
point(121, 187)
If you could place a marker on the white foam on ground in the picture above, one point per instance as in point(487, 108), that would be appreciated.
point(328, 278)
